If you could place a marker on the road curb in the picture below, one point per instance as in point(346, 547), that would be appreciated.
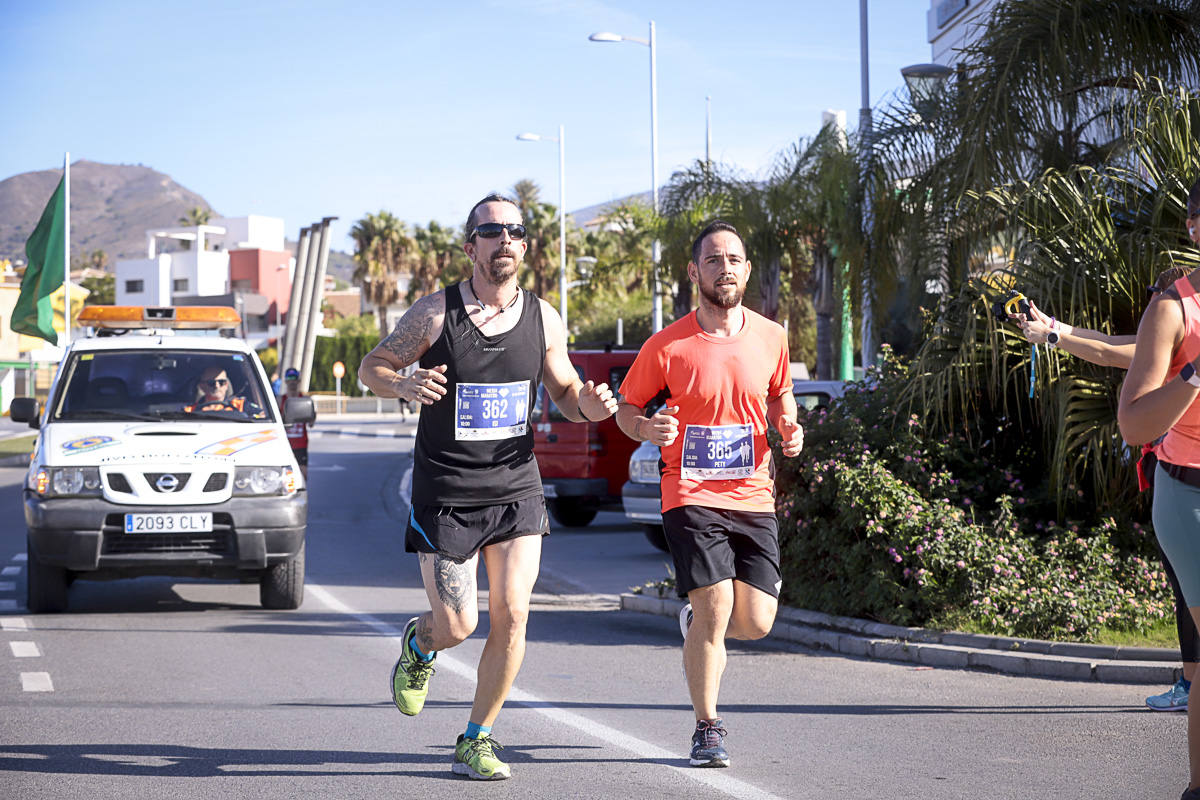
point(1010, 656)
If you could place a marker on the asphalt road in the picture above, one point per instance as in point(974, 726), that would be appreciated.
point(160, 688)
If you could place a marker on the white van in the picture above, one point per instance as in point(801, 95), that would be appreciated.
point(161, 451)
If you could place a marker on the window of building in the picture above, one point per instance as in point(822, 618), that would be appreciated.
point(179, 285)
point(134, 287)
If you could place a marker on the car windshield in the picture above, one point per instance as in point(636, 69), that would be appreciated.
point(151, 385)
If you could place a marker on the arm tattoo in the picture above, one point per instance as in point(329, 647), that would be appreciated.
point(411, 332)
point(455, 584)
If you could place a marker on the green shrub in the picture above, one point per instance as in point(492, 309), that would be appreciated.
point(878, 521)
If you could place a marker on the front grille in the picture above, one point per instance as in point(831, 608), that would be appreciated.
point(218, 542)
point(181, 479)
point(118, 483)
point(216, 482)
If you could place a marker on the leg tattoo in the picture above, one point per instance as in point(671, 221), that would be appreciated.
point(454, 583)
point(424, 635)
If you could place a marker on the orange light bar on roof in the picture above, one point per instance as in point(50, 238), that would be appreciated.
point(179, 317)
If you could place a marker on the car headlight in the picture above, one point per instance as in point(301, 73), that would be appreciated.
point(264, 480)
point(66, 481)
point(644, 470)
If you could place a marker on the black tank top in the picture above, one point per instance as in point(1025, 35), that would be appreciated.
point(475, 446)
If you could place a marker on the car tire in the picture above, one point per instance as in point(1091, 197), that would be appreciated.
point(571, 513)
point(656, 536)
point(46, 585)
point(282, 585)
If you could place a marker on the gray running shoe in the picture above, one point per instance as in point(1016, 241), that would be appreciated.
point(1173, 699)
point(708, 744)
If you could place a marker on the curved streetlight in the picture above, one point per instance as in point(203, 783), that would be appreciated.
point(562, 214)
point(925, 82)
point(656, 248)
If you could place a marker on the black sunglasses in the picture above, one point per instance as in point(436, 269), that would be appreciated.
point(492, 230)
point(215, 382)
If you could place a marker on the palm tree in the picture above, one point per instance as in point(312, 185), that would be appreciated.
point(541, 234)
point(436, 249)
point(196, 215)
point(381, 246)
point(1038, 84)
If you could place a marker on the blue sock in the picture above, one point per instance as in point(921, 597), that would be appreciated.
point(1187, 685)
point(477, 731)
point(412, 642)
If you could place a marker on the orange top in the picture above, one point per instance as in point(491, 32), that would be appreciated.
point(715, 381)
point(1181, 445)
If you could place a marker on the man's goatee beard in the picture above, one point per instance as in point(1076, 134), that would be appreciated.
point(496, 273)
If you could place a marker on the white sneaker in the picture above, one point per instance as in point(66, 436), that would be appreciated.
point(685, 619)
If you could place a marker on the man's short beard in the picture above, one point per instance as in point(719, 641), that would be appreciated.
point(496, 273)
point(709, 293)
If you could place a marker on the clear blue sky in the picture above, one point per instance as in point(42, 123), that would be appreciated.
point(307, 109)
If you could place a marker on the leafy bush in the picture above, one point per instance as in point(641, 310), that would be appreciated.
point(879, 521)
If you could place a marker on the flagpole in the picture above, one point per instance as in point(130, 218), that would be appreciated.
point(67, 248)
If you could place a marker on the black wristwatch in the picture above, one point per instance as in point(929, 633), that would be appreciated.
point(1052, 338)
point(1188, 374)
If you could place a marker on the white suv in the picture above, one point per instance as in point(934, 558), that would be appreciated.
point(161, 451)
point(642, 494)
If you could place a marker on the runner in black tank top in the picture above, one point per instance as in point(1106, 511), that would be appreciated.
point(483, 347)
point(478, 450)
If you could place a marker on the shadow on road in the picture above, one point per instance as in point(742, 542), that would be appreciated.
point(174, 761)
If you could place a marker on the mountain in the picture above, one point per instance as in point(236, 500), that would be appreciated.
point(112, 205)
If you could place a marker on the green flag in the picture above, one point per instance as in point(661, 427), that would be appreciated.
point(46, 254)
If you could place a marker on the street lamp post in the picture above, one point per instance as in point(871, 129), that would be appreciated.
point(865, 135)
point(656, 248)
point(562, 215)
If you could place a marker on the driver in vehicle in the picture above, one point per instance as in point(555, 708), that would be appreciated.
point(214, 392)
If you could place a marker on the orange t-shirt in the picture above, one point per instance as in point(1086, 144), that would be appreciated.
point(1181, 445)
point(715, 381)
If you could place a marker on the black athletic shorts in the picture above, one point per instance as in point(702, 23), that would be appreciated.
point(457, 532)
point(710, 545)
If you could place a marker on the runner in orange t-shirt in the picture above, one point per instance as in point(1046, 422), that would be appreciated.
point(725, 372)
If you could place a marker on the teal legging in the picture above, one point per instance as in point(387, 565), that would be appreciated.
point(1176, 518)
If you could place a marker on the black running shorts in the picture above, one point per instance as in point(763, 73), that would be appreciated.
point(457, 532)
point(710, 545)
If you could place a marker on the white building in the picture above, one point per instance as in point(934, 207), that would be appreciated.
point(203, 269)
point(953, 24)
point(238, 261)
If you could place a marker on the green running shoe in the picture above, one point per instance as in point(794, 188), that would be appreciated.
point(477, 758)
point(410, 676)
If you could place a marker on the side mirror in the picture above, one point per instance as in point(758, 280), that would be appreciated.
point(25, 409)
point(298, 409)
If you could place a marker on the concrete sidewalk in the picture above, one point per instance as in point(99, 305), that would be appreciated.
point(1032, 657)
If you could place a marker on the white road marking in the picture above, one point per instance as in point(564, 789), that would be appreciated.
point(349, 432)
point(618, 739)
point(25, 649)
point(21, 557)
point(385, 432)
point(10, 571)
point(13, 624)
point(36, 682)
point(8, 586)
